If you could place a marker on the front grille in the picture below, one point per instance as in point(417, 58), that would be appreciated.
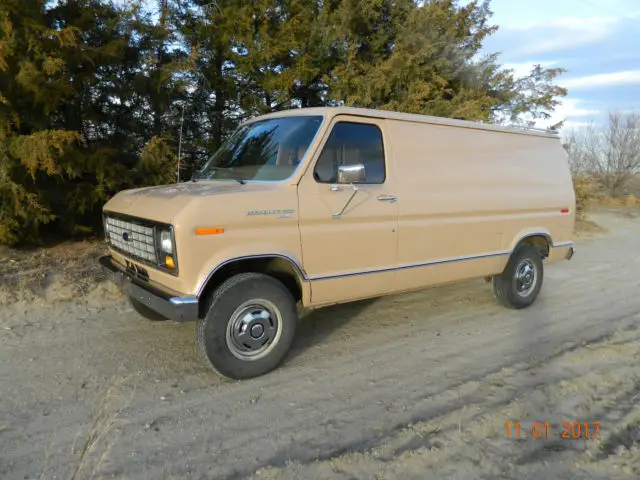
point(132, 237)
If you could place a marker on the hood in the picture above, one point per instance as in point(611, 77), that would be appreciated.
point(163, 203)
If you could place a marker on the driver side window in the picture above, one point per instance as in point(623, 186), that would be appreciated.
point(351, 143)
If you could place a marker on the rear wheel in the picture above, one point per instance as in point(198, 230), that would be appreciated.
point(249, 326)
point(519, 284)
point(145, 311)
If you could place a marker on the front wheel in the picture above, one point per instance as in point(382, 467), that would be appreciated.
point(249, 326)
point(519, 284)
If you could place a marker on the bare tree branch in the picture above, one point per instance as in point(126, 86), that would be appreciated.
point(610, 153)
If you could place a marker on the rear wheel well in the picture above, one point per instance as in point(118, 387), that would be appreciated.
point(540, 242)
point(276, 267)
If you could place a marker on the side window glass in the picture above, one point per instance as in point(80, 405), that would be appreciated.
point(351, 143)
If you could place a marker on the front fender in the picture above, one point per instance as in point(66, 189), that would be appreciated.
point(257, 250)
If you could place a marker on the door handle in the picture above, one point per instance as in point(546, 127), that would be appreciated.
point(387, 198)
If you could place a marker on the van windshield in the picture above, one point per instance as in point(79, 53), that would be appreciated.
point(266, 150)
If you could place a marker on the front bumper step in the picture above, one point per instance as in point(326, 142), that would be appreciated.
point(169, 304)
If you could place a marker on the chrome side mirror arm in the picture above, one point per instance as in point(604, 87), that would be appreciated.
point(335, 188)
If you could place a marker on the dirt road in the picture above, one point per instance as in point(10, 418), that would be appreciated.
point(413, 386)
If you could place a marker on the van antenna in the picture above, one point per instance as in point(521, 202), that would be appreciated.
point(180, 143)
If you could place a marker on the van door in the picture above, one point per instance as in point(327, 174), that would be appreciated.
point(349, 230)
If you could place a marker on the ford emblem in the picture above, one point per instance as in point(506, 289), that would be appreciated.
point(125, 236)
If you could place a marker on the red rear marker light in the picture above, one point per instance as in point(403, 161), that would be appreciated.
point(564, 210)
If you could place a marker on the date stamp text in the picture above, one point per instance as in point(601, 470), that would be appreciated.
point(584, 430)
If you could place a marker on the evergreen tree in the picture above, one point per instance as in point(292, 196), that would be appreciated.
point(77, 108)
point(424, 58)
point(96, 97)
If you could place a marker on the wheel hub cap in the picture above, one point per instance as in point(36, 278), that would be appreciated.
point(253, 329)
point(257, 330)
point(526, 277)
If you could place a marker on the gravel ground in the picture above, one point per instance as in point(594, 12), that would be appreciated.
point(419, 386)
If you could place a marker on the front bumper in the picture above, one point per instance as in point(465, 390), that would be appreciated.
point(167, 303)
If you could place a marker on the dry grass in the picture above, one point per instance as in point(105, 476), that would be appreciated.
point(590, 196)
point(103, 420)
point(63, 272)
point(629, 200)
point(633, 186)
point(585, 227)
point(587, 193)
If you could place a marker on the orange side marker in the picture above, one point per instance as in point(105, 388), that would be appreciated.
point(209, 231)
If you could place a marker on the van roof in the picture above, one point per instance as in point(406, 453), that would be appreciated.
point(331, 112)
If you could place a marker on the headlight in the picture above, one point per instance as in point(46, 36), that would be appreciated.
point(166, 243)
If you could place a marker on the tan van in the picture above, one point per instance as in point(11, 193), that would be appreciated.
point(318, 206)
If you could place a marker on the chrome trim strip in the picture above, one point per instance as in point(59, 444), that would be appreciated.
point(415, 265)
point(299, 270)
point(562, 244)
point(529, 235)
point(183, 300)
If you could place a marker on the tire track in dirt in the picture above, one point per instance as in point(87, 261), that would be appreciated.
point(436, 436)
point(306, 449)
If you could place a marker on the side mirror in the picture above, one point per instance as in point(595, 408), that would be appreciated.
point(351, 173)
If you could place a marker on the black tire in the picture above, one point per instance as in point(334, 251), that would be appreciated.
point(145, 311)
point(241, 315)
point(507, 287)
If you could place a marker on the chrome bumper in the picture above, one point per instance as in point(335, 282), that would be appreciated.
point(167, 303)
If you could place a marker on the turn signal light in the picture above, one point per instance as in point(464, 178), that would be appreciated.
point(209, 231)
point(168, 261)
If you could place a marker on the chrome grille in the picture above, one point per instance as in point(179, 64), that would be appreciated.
point(132, 237)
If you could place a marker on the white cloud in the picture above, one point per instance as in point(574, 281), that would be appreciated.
point(569, 125)
point(558, 34)
point(571, 108)
point(571, 23)
point(520, 69)
point(573, 112)
point(628, 77)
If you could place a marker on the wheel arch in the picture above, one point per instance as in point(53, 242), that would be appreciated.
point(540, 239)
point(278, 266)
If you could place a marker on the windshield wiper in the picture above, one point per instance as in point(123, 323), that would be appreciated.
point(241, 181)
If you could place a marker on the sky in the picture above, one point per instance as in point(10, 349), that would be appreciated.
point(596, 41)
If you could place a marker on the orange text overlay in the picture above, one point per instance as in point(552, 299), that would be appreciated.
point(585, 430)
